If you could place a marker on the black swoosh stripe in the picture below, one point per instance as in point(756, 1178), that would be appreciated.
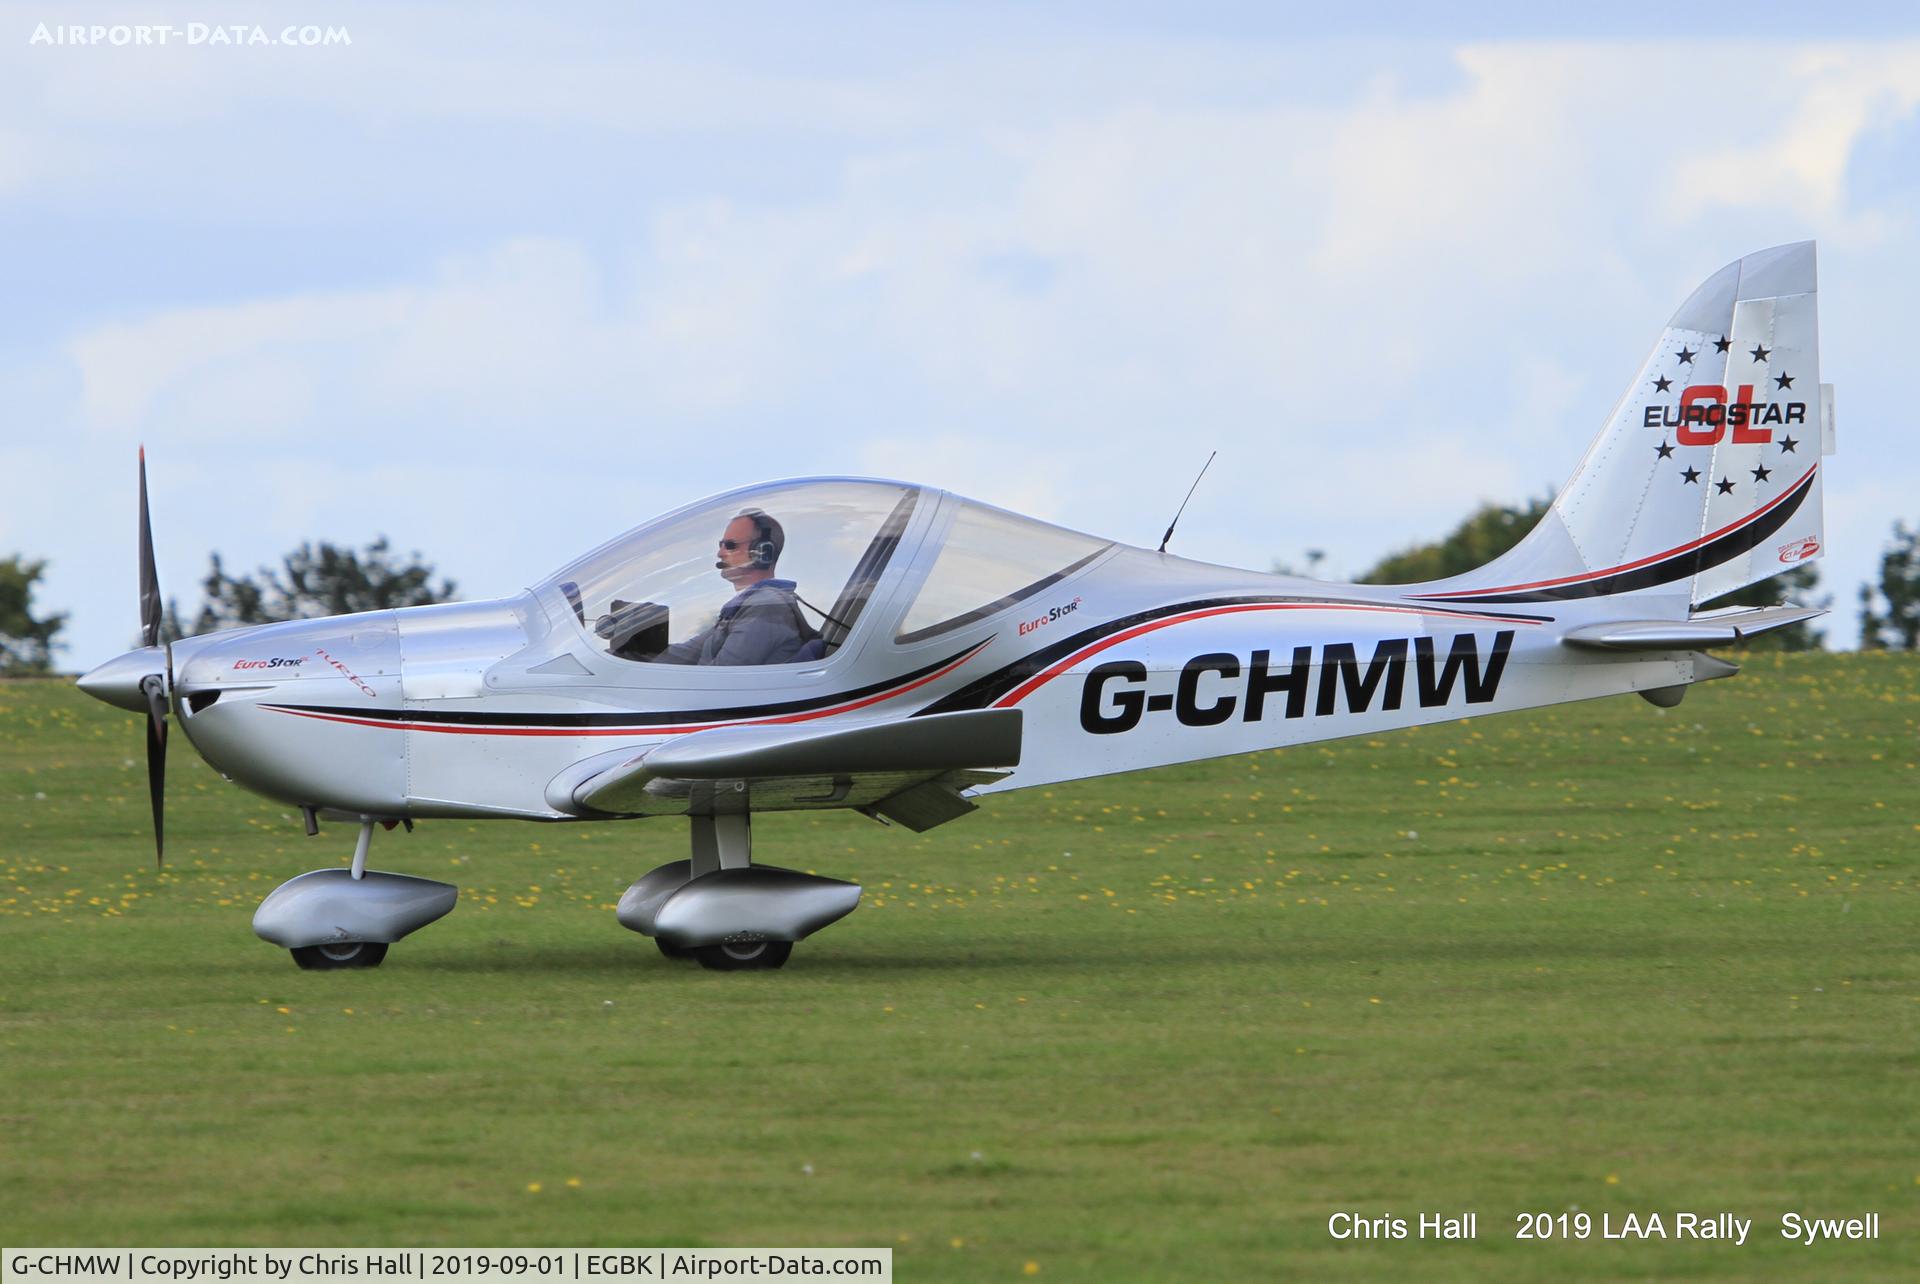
point(638, 718)
point(1687, 564)
point(984, 690)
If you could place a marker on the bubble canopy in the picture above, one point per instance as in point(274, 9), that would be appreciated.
point(799, 573)
point(782, 573)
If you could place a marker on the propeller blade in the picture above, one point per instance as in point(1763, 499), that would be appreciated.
point(154, 688)
point(149, 576)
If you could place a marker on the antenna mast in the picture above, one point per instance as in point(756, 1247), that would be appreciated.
point(1183, 503)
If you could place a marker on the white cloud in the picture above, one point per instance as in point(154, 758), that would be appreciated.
point(1821, 104)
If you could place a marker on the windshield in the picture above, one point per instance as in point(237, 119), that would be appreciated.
point(771, 575)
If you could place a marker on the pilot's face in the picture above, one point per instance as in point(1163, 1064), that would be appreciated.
point(736, 549)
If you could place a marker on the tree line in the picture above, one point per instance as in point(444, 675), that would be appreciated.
point(313, 580)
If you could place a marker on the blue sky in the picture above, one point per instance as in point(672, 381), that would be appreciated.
point(499, 285)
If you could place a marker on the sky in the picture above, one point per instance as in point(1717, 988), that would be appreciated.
point(500, 284)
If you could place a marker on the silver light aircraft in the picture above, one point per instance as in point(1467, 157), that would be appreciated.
point(901, 651)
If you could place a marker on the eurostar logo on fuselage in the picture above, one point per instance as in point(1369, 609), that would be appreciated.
point(1213, 688)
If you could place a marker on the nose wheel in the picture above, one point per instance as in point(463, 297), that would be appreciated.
point(327, 958)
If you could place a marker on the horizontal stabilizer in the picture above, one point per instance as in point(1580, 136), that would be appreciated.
point(789, 766)
point(1728, 627)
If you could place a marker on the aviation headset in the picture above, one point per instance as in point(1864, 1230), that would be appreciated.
point(768, 539)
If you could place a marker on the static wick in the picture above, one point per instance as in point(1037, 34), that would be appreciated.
point(1183, 503)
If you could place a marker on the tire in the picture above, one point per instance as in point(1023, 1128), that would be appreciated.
point(673, 951)
point(330, 958)
point(761, 956)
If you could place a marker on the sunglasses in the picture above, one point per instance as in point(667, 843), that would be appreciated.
point(729, 545)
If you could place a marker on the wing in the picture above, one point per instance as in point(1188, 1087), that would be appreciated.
point(910, 771)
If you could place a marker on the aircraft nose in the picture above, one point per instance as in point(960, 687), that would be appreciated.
point(117, 682)
point(238, 692)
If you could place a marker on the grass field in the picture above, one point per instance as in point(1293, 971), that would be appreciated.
point(1157, 1027)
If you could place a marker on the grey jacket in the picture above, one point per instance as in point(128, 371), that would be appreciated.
point(759, 625)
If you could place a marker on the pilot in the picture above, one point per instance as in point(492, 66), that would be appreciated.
point(762, 623)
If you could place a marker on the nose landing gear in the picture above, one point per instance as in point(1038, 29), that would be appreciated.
point(346, 918)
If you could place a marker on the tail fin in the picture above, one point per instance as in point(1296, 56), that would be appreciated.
point(1706, 477)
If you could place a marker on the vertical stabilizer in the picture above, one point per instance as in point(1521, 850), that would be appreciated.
point(1706, 477)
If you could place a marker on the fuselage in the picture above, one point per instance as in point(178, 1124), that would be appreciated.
point(1131, 659)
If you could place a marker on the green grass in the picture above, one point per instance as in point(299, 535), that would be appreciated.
point(1157, 1026)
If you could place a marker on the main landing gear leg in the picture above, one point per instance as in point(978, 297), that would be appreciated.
point(725, 842)
point(346, 918)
